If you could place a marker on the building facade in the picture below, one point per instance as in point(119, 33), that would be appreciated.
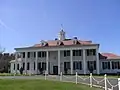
point(61, 55)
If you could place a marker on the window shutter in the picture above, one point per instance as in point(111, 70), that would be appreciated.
point(28, 66)
point(108, 65)
point(103, 65)
point(94, 65)
point(34, 65)
point(87, 52)
point(73, 65)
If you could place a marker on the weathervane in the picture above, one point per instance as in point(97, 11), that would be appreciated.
point(61, 26)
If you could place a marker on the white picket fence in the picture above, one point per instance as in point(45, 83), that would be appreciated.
point(105, 80)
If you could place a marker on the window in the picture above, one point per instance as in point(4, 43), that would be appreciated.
point(17, 66)
point(43, 65)
point(94, 65)
point(23, 54)
point(76, 52)
point(66, 65)
point(116, 65)
point(34, 54)
point(42, 54)
point(94, 51)
point(14, 67)
point(39, 54)
point(42, 43)
point(23, 66)
point(91, 52)
point(34, 65)
point(91, 64)
point(39, 65)
point(106, 65)
point(28, 66)
point(28, 55)
point(77, 65)
point(66, 53)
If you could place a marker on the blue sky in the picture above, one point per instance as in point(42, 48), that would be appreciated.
point(26, 22)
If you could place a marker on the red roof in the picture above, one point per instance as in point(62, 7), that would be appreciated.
point(64, 42)
point(110, 56)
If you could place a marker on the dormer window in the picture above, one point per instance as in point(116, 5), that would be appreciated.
point(43, 43)
point(59, 42)
point(75, 40)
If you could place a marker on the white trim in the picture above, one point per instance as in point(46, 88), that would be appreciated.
point(58, 61)
point(56, 49)
point(71, 60)
point(47, 61)
point(16, 61)
point(98, 61)
point(36, 62)
point(84, 61)
point(26, 61)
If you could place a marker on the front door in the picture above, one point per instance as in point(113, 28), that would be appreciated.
point(55, 70)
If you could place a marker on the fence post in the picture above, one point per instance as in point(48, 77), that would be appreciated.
point(45, 75)
point(90, 79)
point(61, 76)
point(105, 78)
point(76, 77)
point(118, 83)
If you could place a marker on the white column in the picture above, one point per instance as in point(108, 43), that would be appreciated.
point(47, 72)
point(36, 62)
point(110, 64)
point(84, 61)
point(16, 61)
point(26, 62)
point(71, 61)
point(31, 64)
point(97, 61)
point(59, 62)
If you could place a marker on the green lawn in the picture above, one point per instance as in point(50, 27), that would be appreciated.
point(40, 85)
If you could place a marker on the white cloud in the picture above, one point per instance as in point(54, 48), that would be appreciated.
point(5, 26)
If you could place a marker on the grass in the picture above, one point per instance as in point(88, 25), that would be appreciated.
point(6, 84)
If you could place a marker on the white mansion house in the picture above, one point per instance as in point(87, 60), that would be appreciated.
point(64, 55)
